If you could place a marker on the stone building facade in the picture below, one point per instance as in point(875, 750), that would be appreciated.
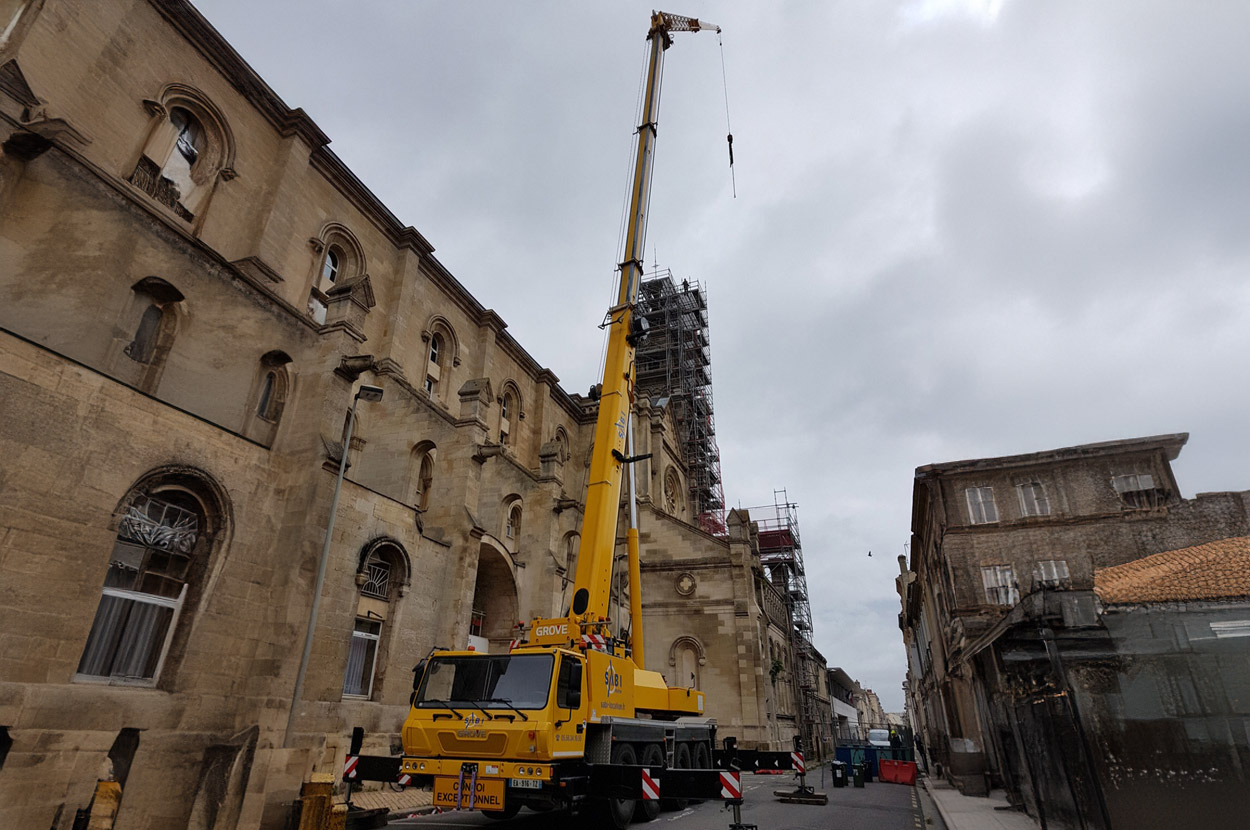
point(195, 290)
point(993, 538)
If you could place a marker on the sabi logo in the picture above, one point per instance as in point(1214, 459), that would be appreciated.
point(471, 720)
point(612, 680)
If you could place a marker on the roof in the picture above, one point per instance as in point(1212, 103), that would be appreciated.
point(1215, 570)
point(1171, 443)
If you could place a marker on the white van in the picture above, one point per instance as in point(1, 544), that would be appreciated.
point(879, 737)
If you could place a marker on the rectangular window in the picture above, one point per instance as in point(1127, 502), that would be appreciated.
point(1033, 501)
point(981, 507)
point(429, 386)
point(1050, 573)
point(1000, 585)
point(476, 623)
point(1138, 490)
point(361, 657)
point(1133, 483)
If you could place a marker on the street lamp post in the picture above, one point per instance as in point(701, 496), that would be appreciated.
point(365, 393)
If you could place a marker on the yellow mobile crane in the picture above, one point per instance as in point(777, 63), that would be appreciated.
point(530, 727)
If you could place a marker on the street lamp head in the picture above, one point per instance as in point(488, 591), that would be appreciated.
point(369, 393)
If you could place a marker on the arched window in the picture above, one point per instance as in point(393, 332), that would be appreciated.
point(508, 411)
point(330, 265)
point(686, 655)
point(562, 444)
point(152, 314)
point(188, 149)
point(269, 397)
point(442, 356)
point(142, 347)
point(339, 258)
point(512, 521)
point(422, 472)
point(164, 536)
point(265, 406)
point(381, 577)
point(434, 368)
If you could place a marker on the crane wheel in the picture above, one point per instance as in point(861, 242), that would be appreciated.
point(681, 760)
point(702, 756)
point(652, 756)
point(617, 812)
point(509, 810)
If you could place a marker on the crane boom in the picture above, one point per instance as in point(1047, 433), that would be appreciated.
point(493, 731)
point(592, 582)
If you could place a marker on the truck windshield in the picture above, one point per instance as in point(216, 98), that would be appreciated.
point(492, 681)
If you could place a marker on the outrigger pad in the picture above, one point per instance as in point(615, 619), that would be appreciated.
point(802, 796)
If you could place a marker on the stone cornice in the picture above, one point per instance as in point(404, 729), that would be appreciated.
point(217, 50)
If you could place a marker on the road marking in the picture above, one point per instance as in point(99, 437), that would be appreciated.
point(682, 814)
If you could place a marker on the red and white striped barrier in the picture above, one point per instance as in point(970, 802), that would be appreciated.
point(514, 644)
point(730, 785)
point(650, 787)
point(596, 641)
point(404, 779)
point(349, 767)
point(796, 760)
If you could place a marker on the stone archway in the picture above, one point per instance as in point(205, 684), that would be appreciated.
point(495, 605)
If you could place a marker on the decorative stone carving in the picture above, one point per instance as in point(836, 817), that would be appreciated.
point(686, 584)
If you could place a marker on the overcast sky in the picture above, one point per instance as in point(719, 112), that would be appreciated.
point(963, 228)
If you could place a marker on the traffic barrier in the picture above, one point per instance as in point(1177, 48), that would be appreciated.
point(897, 772)
point(730, 785)
point(349, 767)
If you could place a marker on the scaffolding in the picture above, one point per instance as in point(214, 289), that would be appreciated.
point(781, 554)
point(672, 362)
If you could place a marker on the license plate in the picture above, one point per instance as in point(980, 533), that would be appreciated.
point(525, 784)
point(488, 793)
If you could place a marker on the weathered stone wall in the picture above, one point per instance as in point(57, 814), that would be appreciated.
point(699, 593)
point(1088, 525)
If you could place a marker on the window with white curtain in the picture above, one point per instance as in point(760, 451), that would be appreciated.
point(144, 589)
point(361, 657)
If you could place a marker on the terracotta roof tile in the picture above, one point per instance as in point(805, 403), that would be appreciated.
point(1215, 570)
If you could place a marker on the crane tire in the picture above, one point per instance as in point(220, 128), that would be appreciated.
point(652, 756)
point(509, 810)
point(616, 813)
point(681, 760)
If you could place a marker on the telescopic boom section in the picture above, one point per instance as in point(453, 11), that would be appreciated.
point(598, 541)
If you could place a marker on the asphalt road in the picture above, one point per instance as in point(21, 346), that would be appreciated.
point(876, 806)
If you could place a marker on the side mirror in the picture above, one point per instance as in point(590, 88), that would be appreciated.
point(418, 672)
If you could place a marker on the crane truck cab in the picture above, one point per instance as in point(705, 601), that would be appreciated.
point(521, 729)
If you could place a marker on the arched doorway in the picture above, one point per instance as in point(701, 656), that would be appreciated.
point(494, 614)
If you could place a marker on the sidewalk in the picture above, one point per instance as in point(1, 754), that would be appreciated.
point(962, 812)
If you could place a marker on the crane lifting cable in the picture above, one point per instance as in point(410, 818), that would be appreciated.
point(728, 129)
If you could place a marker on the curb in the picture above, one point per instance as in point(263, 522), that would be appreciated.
point(945, 817)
